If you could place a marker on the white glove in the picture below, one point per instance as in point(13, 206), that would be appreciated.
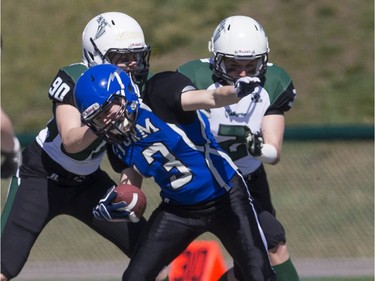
point(246, 85)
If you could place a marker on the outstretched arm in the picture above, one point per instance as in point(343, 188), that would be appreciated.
point(218, 97)
point(205, 99)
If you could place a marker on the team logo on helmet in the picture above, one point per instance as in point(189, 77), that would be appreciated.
point(102, 23)
point(220, 28)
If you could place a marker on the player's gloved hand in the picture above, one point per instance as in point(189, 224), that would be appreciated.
point(12, 160)
point(254, 143)
point(246, 86)
point(109, 210)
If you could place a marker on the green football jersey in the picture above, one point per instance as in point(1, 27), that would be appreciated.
point(228, 123)
point(61, 91)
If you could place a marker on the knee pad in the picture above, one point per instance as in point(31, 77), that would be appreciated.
point(273, 230)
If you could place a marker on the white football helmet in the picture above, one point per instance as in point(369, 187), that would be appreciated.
point(111, 38)
point(242, 38)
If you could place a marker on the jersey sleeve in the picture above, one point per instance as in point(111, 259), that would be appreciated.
point(284, 102)
point(280, 87)
point(163, 95)
point(62, 86)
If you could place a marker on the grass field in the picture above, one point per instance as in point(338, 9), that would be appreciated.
point(325, 206)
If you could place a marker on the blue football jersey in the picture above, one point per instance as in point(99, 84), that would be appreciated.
point(184, 160)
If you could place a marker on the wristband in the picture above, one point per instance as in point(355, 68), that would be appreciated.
point(269, 154)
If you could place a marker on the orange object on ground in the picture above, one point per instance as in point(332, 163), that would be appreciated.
point(201, 261)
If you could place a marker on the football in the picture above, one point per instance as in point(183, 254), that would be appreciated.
point(134, 198)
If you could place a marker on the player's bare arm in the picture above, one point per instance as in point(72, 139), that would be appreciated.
point(219, 97)
point(74, 136)
point(273, 132)
point(204, 99)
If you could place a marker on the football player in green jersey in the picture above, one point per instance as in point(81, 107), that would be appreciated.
point(61, 173)
point(250, 131)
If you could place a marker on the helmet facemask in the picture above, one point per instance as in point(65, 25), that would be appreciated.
point(133, 61)
point(220, 70)
point(121, 124)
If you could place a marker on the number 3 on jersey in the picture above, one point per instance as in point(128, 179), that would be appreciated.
point(172, 162)
point(58, 89)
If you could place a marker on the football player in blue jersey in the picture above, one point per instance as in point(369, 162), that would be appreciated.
point(166, 137)
point(250, 131)
point(61, 171)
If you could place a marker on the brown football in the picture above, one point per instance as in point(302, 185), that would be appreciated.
point(134, 198)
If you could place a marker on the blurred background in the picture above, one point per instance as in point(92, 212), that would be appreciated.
point(323, 188)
